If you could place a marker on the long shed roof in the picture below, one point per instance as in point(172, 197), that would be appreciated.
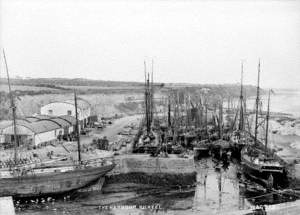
point(70, 119)
point(62, 121)
point(44, 126)
point(35, 127)
point(40, 125)
point(37, 117)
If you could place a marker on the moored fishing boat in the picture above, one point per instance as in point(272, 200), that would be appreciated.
point(148, 140)
point(258, 162)
point(261, 166)
point(147, 143)
point(27, 179)
point(239, 138)
point(201, 148)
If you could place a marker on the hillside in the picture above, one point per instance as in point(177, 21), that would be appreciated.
point(106, 97)
point(38, 86)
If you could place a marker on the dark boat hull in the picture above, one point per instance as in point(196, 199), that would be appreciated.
point(262, 177)
point(236, 150)
point(256, 173)
point(52, 183)
point(201, 152)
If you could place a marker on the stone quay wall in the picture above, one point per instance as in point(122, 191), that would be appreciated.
point(143, 169)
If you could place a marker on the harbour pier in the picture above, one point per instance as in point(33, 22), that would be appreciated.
point(172, 171)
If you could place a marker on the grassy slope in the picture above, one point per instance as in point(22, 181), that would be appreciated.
point(106, 97)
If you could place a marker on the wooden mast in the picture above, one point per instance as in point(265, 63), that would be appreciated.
point(200, 113)
point(145, 73)
point(147, 100)
point(77, 128)
point(186, 111)
point(241, 123)
point(145, 96)
point(257, 103)
point(221, 119)
point(152, 95)
point(267, 123)
point(13, 107)
point(169, 112)
point(148, 105)
point(206, 121)
point(176, 117)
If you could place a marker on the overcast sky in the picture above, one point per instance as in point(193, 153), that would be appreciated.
point(190, 41)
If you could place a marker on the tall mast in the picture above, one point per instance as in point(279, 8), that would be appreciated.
point(152, 95)
point(145, 76)
point(241, 123)
point(145, 73)
point(148, 106)
point(186, 111)
point(169, 112)
point(267, 122)
point(228, 104)
point(206, 127)
point(13, 107)
point(146, 97)
point(257, 103)
point(77, 129)
point(200, 114)
point(176, 117)
point(221, 119)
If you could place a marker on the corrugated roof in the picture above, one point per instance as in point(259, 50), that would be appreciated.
point(40, 116)
point(36, 127)
point(37, 117)
point(61, 122)
point(32, 119)
point(20, 122)
point(44, 126)
point(26, 124)
point(70, 119)
point(41, 123)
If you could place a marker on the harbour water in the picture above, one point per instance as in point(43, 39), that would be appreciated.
point(286, 101)
point(282, 101)
point(220, 188)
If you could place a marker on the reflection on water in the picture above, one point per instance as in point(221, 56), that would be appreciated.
point(218, 189)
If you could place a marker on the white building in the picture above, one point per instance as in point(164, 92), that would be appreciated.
point(32, 133)
point(4, 124)
point(68, 108)
point(35, 130)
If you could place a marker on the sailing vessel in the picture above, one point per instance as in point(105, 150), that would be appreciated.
point(51, 177)
point(257, 160)
point(201, 147)
point(42, 180)
point(240, 137)
point(148, 141)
